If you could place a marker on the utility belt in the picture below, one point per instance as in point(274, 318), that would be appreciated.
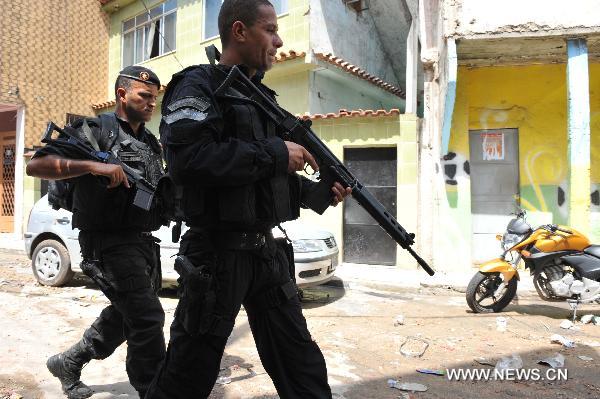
point(238, 240)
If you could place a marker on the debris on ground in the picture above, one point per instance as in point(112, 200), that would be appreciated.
point(223, 380)
point(501, 323)
point(510, 363)
point(399, 321)
point(432, 372)
point(567, 324)
point(414, 347)
point(586, 358)
point(555, 361)
point(567, 343)
point(407, 386)
point(586, 318)
point(484, 361)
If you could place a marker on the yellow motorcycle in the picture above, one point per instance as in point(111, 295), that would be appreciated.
point(564, 266)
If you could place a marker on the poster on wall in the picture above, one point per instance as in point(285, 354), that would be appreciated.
point(493, 146)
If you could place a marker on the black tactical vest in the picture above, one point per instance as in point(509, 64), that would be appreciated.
point(257, 206)
point(97, 208)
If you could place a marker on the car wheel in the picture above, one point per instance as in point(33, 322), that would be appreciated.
point(51, 263)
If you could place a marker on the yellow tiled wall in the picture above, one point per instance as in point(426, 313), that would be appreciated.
point(390, 131)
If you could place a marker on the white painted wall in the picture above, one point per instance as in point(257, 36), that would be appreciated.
point(336, 29)
point(484, 17)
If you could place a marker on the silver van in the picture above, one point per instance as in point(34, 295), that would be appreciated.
point(51, 244)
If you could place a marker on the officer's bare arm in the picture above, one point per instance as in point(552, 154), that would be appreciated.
point(52, 167)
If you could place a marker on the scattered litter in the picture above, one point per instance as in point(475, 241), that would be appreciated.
point(405, 395)
point(567, 343)
point(399, 321)
point(547, 328)
point(432, 372)
point(506, 363)
point(484, 361)
point(566, 324)
point(586, 358)
point(407, 386)
point(586, 318)
point(593, 344)
point(15, 396)
point(596, 320)
point(223, 380)
point(501, 323)
point(415, 347)
point(556, 361)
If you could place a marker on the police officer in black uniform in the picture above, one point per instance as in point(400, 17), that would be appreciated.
point(114, 237)
point(239, 181)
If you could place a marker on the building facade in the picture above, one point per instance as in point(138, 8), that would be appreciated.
point(341, 67)
point(513, 116)
point(53, 65)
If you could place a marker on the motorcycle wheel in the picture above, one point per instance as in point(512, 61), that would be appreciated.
point(482, 296)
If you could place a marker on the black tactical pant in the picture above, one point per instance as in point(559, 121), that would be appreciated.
point(203, 323)
point(130, 278)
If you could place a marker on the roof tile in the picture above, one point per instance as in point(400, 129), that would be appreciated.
point(361, 73)
point(343, 113)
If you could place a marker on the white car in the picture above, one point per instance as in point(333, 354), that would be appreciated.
point(52, 245)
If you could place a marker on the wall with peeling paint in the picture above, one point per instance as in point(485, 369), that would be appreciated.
point(532, 99)
point(338, 29)
point(472, 17)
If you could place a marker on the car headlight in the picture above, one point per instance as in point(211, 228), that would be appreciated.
point(302, 246)
point(510, 240)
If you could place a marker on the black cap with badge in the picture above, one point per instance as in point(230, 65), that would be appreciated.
point(140, 74)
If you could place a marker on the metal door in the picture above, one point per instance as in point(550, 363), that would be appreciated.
point(7, 181)
point(494, 158)
point(364, 241)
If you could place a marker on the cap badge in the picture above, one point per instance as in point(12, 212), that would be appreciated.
point(144, 76)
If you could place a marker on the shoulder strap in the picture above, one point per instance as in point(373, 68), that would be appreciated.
point(110, 131)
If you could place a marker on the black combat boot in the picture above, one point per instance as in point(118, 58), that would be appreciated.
point(66, 366)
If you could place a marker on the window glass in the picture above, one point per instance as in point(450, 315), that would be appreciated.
point(139, 45)
point(140, 19)
point(281, 6)
point(148, 36)
point(211, 16)
point(170, 5)
point(169, 32)
point(156, 11)
point(128, 50)
point(130, 23)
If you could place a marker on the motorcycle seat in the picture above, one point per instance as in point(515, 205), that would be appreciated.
point(593, 250)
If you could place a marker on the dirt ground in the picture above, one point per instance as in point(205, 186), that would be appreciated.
point(353, 324)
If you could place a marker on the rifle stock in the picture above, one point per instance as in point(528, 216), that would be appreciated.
point(331, 169)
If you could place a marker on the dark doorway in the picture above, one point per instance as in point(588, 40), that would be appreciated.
point(364, 241)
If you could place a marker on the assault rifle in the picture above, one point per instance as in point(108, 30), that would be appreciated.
point(72, 143)
point(331, 169)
